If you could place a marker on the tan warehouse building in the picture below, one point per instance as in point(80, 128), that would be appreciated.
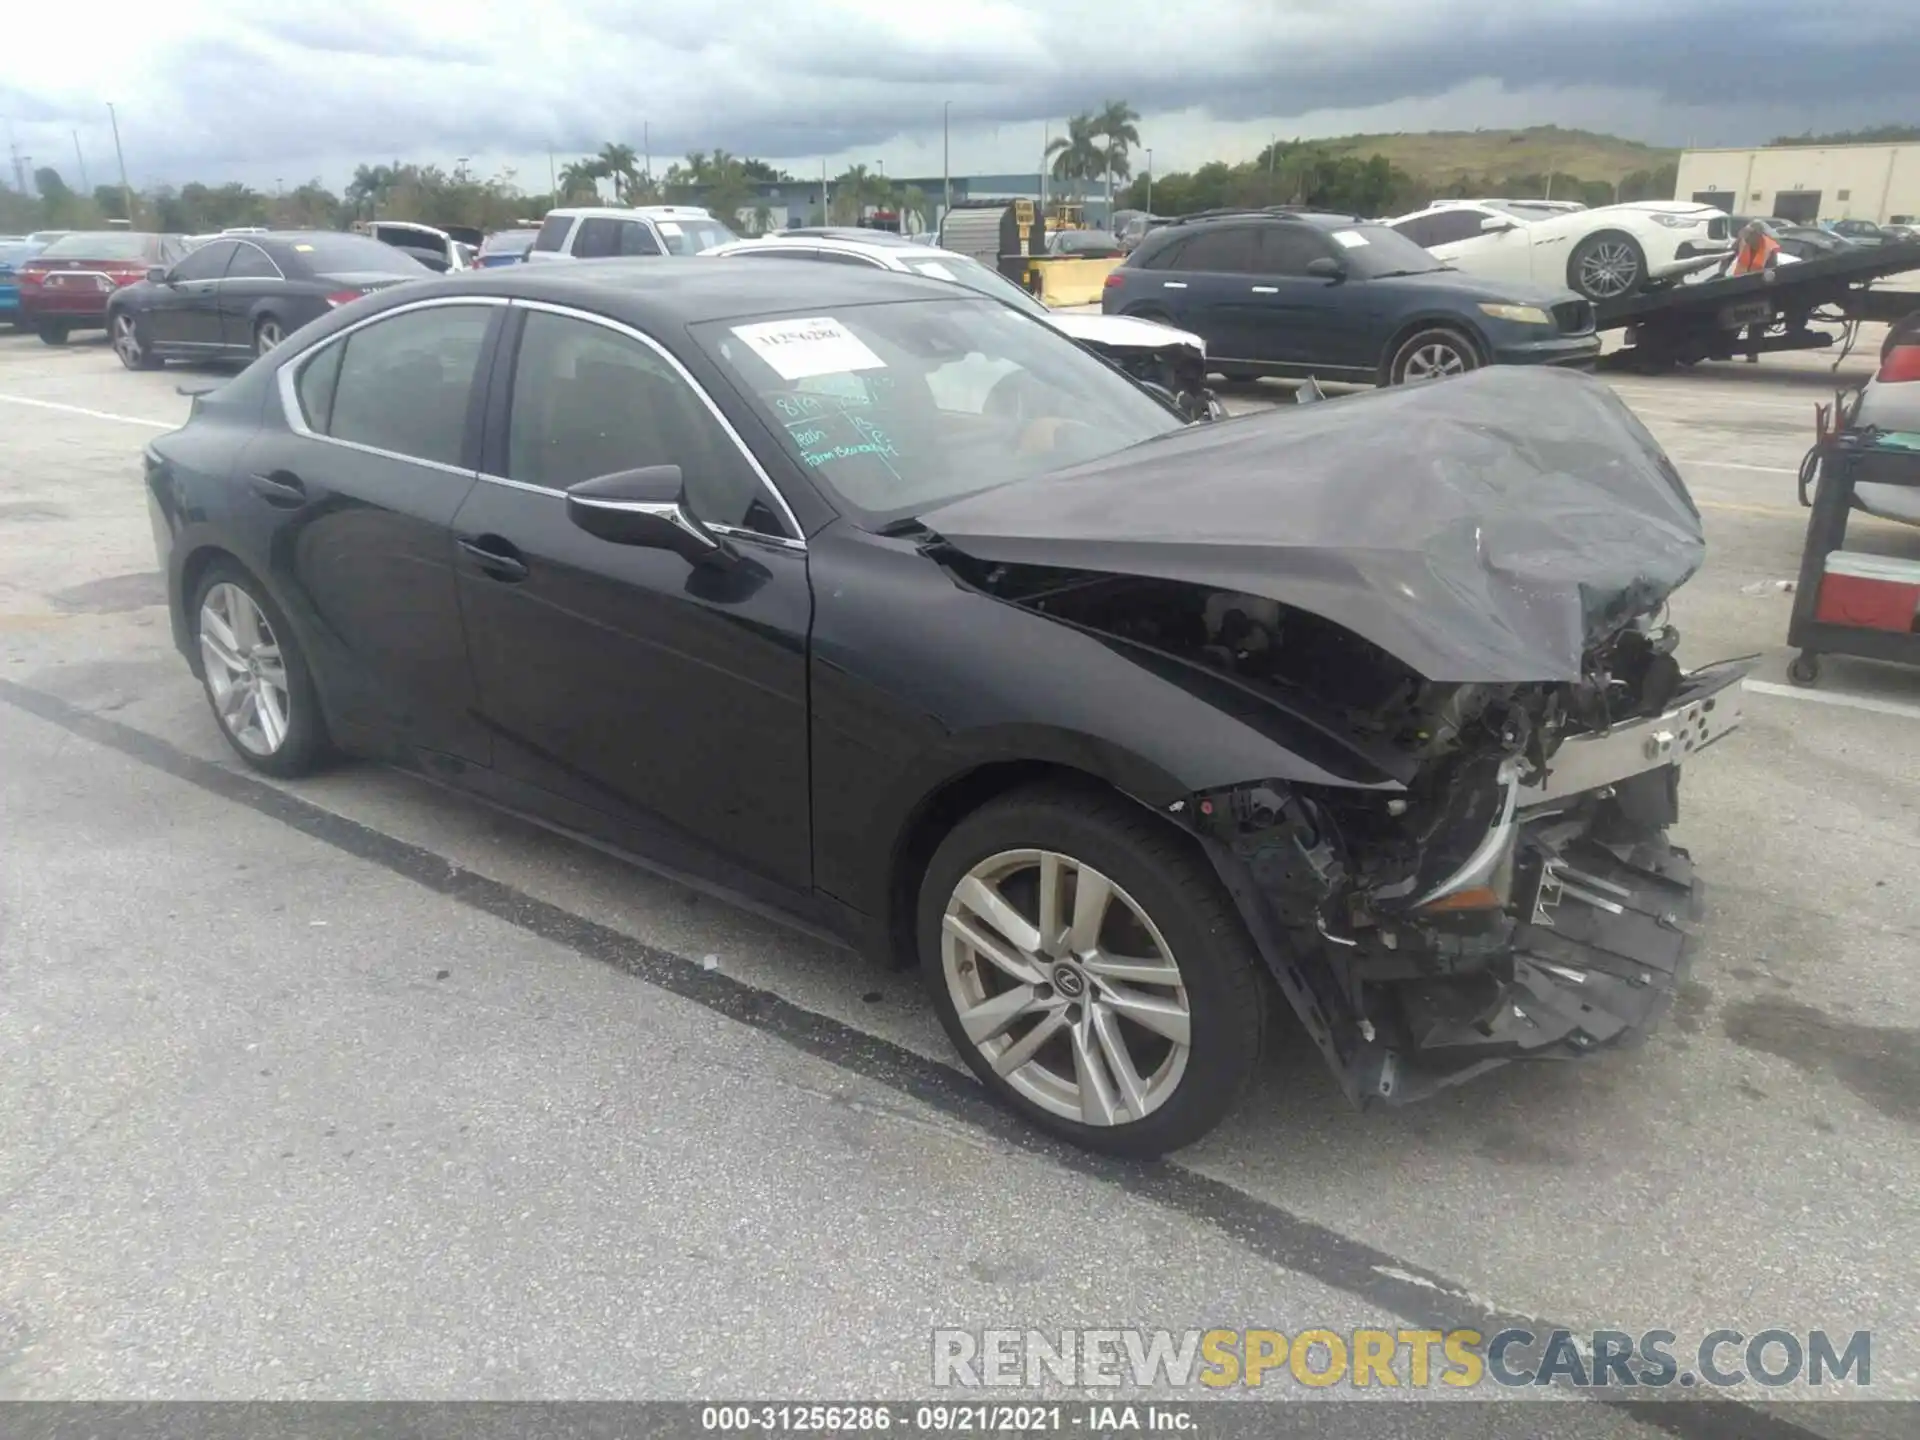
point(1807, 182)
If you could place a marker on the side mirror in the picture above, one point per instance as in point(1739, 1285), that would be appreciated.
point(1494, 225)
point(646, 508)
point(156, 275)
point(1327, 268)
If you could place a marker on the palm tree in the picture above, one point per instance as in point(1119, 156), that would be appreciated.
point(580, 178)
point(618, 162)
point(854, 190)
point(370, 185)
point(1115, 125)
point(914, 202)
point(762, 218)
point(1077, 155)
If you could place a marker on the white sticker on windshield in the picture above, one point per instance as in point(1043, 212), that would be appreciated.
point(935, 269)
point(667, 227)
point(1352, 239)
point(797, 349)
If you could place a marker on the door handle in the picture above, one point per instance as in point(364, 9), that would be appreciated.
point(1266, 289)
point(496, 557)
point(281, 488)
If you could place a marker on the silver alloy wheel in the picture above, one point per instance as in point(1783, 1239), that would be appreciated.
point(266, 336)
point(1436, 360)
point(245, 673)
point(1609, 270)
point(1066, 987)
point(126, 340)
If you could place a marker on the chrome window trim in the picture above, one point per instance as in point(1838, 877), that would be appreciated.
point(287, 380)
point(798, 536)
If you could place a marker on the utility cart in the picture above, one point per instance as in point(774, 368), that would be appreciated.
point(1849, 602)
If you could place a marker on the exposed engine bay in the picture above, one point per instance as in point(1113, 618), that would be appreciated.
point(1514, 895)
point(1178, 369)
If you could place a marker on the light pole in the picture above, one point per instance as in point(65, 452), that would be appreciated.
point(946, 163)
point(126, 190)
point(1149, 179)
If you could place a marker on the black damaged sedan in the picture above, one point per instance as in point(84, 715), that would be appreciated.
point(889, 606)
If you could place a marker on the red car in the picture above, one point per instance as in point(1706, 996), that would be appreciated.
point(66, 286)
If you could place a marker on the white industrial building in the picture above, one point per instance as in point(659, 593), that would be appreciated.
point(1807, 182)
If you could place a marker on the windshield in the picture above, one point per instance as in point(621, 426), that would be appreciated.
point(503, 241)
point(100, 245)
point(690, 237)
point(18, 253)
point(897, 408)
point(963, 270)
point(1376, 251)
point(324, 254)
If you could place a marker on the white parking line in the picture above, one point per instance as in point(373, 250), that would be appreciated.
point(91, 414)
point(1705, 464)
point(1845, 702)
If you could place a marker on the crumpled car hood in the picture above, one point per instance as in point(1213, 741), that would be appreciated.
point(1483, 529)
point(1123, 332)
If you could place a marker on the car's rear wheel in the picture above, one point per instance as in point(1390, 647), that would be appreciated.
point(130, 342)
point(1435, 354)
point(1607, 266)
point(255, 674)
point(52, 332)
point(267, 334)
point(1091, 970)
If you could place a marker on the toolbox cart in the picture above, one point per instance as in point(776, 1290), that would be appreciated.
point(1848, 602)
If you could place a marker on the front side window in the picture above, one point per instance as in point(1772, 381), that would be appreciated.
point(901, 406)
point(590, 401)
point(1289, 249)
point(599, 237)
point(209, 262)
point(636, 239)
point(1453, 225)
point(553, 232)
point(405, 382)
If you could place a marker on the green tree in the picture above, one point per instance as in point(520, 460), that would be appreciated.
point(620, 164)
point(1078, 155)
point(854, 190)
point(914, 205)
point(1118, 133)
point(580, 180)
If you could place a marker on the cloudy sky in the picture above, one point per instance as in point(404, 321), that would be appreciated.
point(218, 89)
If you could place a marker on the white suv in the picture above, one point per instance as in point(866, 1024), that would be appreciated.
point(597, 232)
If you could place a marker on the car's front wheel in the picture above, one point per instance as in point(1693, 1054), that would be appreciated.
point(1091, 970)
point(255, 675)
point(1607, 266)
point(1437, 354)
point(130, 342)
point(52, 332)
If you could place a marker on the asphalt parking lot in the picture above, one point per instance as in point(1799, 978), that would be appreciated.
point(352, 1089)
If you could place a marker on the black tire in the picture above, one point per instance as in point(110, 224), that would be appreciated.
point(1218, 965)
point(52, 332)
point(268, 333)
point(1804, 669)
point(138, 356)
point(1429, 347)
point(305, 745)
point(1630, 270)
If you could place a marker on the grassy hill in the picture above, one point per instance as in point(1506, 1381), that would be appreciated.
point(1443, 156)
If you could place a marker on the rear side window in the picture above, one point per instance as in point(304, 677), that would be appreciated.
point(1453, 225)
point(599, 237)
point(553, 232)
point(405, 382)
point(250, 262)
point(315, 387)
point(1419, 229)
point(1228, 249)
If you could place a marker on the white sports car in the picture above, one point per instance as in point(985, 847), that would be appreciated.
point(1604, 253)
point(1147, 350)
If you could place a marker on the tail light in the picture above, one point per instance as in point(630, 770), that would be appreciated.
point(344, 297)
point(124, 276)
point(31, 277)
point(1901, 363)
point(1114, 280)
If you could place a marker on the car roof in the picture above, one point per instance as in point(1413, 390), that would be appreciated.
point(633, 212)
point(854, 234)
point(656, 292)
point(847, 245)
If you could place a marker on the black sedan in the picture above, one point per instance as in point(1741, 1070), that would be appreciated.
point(1302, 294)
point(236, 297)
point(886, 605)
